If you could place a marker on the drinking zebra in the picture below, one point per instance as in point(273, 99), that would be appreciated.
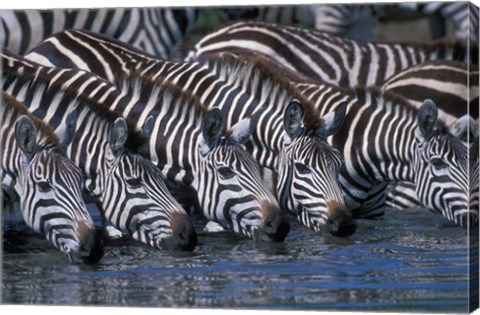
point(328, 58)
point(127, 188)
point(157, 31)
point(307, 166)
point(452, 85)
point(47, 184)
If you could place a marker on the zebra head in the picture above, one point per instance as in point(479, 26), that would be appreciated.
point(136, 200)
point(229, 185)
point(308, 173)
point(442, 165)
point(51, 196)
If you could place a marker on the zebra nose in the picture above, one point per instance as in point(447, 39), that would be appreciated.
point(183, 235)
point(340, 220)
point(275, 226)
point(91, 244)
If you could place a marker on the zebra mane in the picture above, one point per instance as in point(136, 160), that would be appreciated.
point(45, 131)
point(135, 80)
point(388, 98)
point(43, 77)
point(259, 74)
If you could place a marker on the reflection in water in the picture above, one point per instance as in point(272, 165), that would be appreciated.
point(408, 261)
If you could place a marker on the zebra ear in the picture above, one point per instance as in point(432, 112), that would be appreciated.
point(293, 118)
point(242, 130)
point(148, 126)
point(118, 136)
point(212, 127)
point(427, 118)
point(66, 130)
point(26, 135)
point(332, 121)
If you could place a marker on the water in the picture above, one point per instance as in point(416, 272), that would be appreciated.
point(409, 261)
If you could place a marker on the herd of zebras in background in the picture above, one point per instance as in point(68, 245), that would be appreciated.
point(99, 107)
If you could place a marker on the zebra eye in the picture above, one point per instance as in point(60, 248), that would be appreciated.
point(134, 182)
point(45, 186)
point(226, 172)
point(302, 168)
point(438, 163)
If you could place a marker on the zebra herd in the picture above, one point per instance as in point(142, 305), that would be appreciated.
point(99, 112)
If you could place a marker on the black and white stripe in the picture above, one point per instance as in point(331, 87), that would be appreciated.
point(47, 184)
point(157, 31)
point(454, 86)
point(316, 199)
point(128, 189)
point(325, 57)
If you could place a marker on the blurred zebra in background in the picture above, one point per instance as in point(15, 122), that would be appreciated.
point(157, 31)
point(357, 21)
point(127, 188)
point(47, 184)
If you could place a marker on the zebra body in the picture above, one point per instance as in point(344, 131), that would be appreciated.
point(325, 57)
point(48, 185)
point(128, 189)
point(315, 207)
point(157, 31)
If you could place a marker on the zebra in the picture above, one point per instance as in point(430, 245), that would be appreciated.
point(157, 31)
point(375, 152)
point(47, 184)
point(452, 85)
point(325, 57)
point(314, 198)
point(127, 188)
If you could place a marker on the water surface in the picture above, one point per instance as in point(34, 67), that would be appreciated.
point(411, 260)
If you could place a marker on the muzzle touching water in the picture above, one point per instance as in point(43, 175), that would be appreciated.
point(340, 220)
point(275, 225)
point(90, 248)
point(183, 235)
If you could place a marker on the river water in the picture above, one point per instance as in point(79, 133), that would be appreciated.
point(411, 260)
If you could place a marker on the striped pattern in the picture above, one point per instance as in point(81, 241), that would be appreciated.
point(454, 87)
point(178, 151)
point(49, 186)
point(157, 31)
point(319, 205)
point(129, 190)
point(325, 57)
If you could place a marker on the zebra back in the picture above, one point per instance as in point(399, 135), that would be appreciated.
point(157, 31)
point(326, 57)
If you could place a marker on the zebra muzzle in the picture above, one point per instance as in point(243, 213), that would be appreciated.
point(183, 237)
point(340, 220)
point(275, 225)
